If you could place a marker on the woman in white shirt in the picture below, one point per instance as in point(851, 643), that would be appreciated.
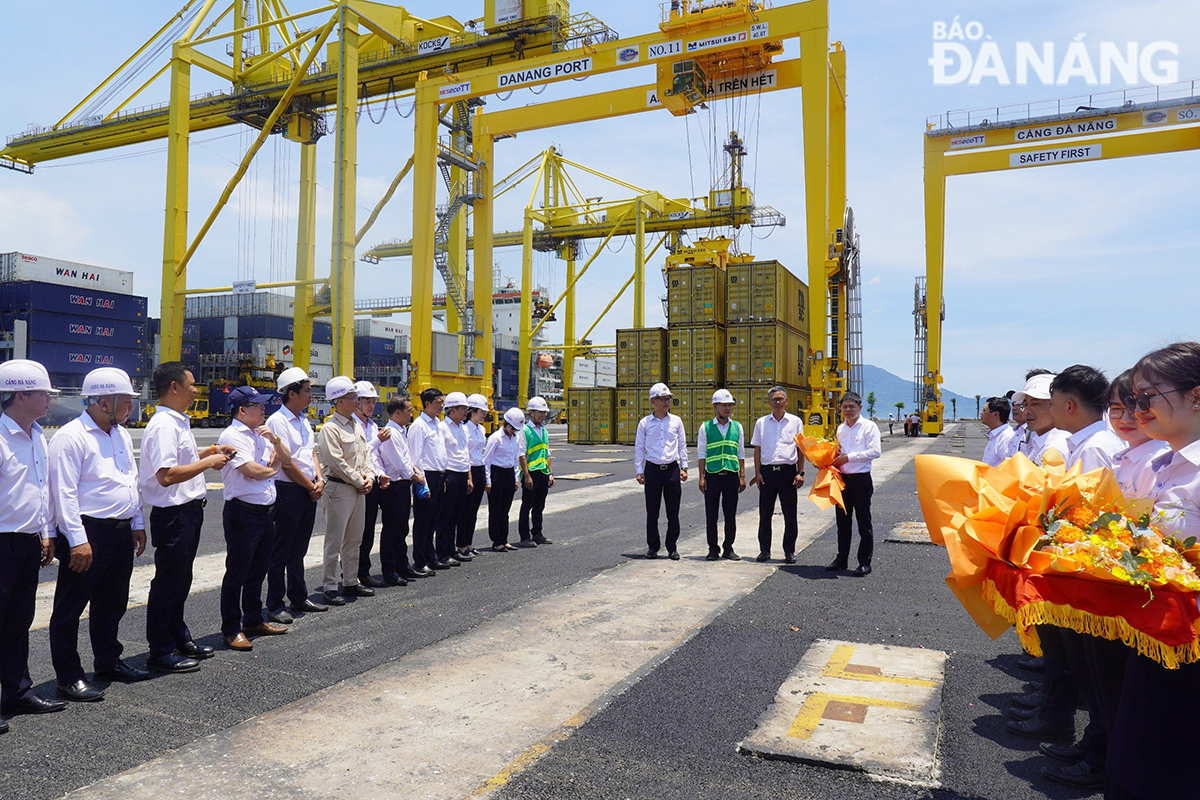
point(476, 442)
point(1132, 465)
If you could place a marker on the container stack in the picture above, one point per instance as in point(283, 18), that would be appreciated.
point(591, 415)
point(641, 363)
point(71, 317)
point(505, 365)
point(696, 316)
point(380, 347)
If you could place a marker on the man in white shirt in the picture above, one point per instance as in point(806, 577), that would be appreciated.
point(1043, 436)
point(1078, 400)
point(660, 464)
point(98, 510)
point(248, 517)
point(427, 449)
point(171, 477)
point(397, 478)
point(458, 479)
point(778, 472)
point(1020, 429)
point(858, 443)
point(891, 423)
point(26, 528)
point(364, 412)
point(477, 409)
point(721, 451)
point(298, 487)
point(1000, 434)
point(501, 467)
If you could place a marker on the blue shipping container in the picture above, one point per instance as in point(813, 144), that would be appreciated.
point(374, 346)
point(210, 329)
point(74, 300)
point(45, 327)
point(262, 326)
point(322, 332)
point(191, 331)
point(507, 358)
point(71, 359)
point(189, 352)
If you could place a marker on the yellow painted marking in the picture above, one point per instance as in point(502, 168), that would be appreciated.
point(522, 761)
point(582, 476)
point(598, 460)
point(814, 709)
point(214, 486)
point(839, 663)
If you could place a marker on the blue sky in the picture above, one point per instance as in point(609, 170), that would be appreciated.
point(1090, 263)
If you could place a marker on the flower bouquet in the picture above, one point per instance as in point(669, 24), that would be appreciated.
point(826, 491)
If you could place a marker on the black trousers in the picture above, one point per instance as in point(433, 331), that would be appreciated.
point(175, 534)
point(395, 502)
point(470, 513)
point(1058, 682)
point(249, 537)
point(425, 519)
point(453, 506)
point(721, 493)
point(295, 514)
point(368, 539)
point(1095, 737)
point(105, 585)
point(777, 481)
point(533, 503)
point(1106, 662)
point(662, 483)
point(20, 557)
point(857, 497)
point(1152, 755)
point(500, 499)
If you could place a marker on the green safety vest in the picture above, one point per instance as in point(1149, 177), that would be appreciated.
point(720, 452)
point(537, 450)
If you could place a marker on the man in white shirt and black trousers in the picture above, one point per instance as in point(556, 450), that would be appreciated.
point(778, 471)
point(660, 462)
point(364, 412)
point(428, 452)
point(398, 476)
point(298, 487)
point(458, 480)
point(98, 510)
point(859, 442)
point(26, 528)
point(171, 476)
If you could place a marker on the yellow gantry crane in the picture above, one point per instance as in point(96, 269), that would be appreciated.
point(340, 55)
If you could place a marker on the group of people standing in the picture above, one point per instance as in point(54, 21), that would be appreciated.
point(1144, 426)
point(661, 466)
point(80, 500)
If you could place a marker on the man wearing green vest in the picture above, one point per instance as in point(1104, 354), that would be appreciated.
point(536, 475)
point(721, 449)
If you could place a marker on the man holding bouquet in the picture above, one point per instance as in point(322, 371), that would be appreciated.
point(859, 442)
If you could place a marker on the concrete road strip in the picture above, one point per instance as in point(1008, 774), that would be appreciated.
point(909, 533)
point(582, 476)
point(597, 460)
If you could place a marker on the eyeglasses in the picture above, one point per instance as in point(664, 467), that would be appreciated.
point(1116, 410)
point(1142, 399)
point(777, 399)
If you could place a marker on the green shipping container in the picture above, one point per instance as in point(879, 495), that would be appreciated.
point(591, 415)
point(633, 403)
point(766, 353)
point(695, 296)
point(641, 356)
point(764, 291)
point(750, 404)
point(697, 355)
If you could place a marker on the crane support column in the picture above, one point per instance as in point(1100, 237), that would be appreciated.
point(306, 256)
point(837, 199)
point(935, 230)
point(526, 324)
point(482, 224)
point(344, 188)
point(639, 268)
point(814, 78)
point(175, 234)
point(425, 122)
point(568, 370)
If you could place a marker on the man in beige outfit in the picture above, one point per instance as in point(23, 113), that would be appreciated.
point(346, 464)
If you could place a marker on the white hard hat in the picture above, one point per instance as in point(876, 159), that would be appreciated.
point(537, 404)
point(1036, 388)
point(723, 396)
point(514, 417)
point(366, 389)
point(477, 401)
point(659, 390)
point(455, 399)
point(23, 375)
point(290, 376)
point(107, 380)
point(338, 387)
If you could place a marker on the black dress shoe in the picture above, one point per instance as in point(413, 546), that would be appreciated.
point(789, 558)
point(763, 558)
point(452, 562)
point(1031, 700)
point(1039, 730)
point(309, 606)
point(172, 662)
point(81, 692)
point(461, 556)
point(1069, 753)
point(1031, 663)
point(731, 556)
point(281, 616)
point(358, 590)
point(124, 673)
point(836, 565)
point(713, 555)
point(3, 726)
point(651, 554)
point(527, 543)
point(419, 572)
point(673, 555)
point(394, 580)
point(1022, 713)
point(334, 599)
point(862, 571)
point(1080, 775)
point(193, 650)
point(440, 565)
point(34, 704)
point(368, 581)
point(499, 548)
point(542, 540)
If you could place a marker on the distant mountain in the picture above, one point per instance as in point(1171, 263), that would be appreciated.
point(890, 389)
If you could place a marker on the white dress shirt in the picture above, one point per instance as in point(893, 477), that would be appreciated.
point(660, 441)
point(24, 480)
point(92, 474)
point(1000, 439)
point(392, 458)
point(168, 442)
point(454, 435)
point(776, 439)
point(1094, 447)
point(426, 445)
point(369, 426)
point(859, 443)
point(251, 448)
point(1177, 491)
point(476, 442)
point(502, 451)
point(702, 440)
point(1020, 434)
point(1037, 445)
point(302, 443)
point(1133, 470)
